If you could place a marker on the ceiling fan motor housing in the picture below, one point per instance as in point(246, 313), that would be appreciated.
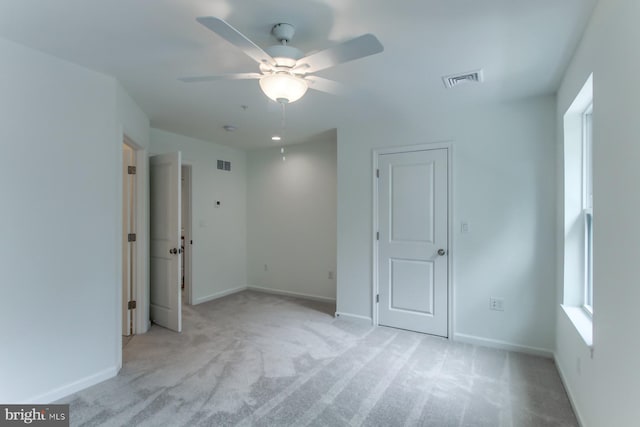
point(283, 32)
point(285, 56)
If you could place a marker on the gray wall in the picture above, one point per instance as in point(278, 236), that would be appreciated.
point(605, 388)
point(219, 233)
point(292, 219)
point(60, 178)
point(503, 185)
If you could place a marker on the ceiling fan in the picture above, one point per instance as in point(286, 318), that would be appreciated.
point(285, 73)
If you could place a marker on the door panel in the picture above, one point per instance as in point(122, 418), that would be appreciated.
point(413, 217)
point(412, 285)
point(166, 304)
point(408, 208)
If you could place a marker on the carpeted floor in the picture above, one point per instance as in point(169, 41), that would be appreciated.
point(265, 360)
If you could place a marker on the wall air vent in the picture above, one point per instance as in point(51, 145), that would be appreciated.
point(458, 79)
point(224, 165)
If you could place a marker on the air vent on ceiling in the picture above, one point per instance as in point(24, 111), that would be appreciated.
point(457, 79)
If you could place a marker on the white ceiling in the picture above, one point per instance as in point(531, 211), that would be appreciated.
point(522, 45)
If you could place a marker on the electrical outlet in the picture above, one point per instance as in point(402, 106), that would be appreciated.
point(331, 275)
point(496, 304)
point(464, 227)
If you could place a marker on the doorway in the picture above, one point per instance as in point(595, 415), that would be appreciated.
point(411, 211)
point(129, 240)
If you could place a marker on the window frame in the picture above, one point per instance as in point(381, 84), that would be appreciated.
point(587, 206)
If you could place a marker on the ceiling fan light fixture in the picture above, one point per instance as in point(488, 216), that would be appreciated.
point(283, 87)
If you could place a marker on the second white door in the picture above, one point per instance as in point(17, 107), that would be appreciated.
point(413, 241)
point(166, 295)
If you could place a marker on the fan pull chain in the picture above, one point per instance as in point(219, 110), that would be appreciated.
point(283, 124)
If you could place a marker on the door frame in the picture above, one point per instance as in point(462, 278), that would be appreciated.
point(130, 263)
point(141, 321)
point(447, 145)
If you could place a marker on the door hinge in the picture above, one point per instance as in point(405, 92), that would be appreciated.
point(377, 235)
point(131, 305)
point(131, 237)
point(131, 170)
point(377, 173)
point(377, 297)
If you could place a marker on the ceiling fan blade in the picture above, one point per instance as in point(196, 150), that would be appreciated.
point(239, 76)
point(327, 86)
point(236, 38)
point(356, 48)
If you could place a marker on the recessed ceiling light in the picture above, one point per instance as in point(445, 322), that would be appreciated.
point(275, 138)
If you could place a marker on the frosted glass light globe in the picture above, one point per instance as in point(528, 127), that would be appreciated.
point(283, 87)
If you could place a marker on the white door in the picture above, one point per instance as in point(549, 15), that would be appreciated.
point(166, 304)
point(412, 247)
point(186, 233)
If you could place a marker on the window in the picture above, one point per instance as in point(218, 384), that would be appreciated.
point(577, 267)
point(587, 206)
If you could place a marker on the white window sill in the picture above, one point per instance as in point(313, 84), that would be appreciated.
point(582, 322)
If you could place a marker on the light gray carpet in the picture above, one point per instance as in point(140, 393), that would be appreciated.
point(264, 360)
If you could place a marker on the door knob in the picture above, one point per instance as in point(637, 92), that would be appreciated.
point(173, 251)
point(442, 252)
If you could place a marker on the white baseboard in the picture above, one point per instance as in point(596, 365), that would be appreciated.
point(355, 317)
point(291, 294)
point(569, 391)
point(218, 295)
point(68, 389)
point(503, 345)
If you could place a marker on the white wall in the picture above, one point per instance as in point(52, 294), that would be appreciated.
point(219, 234)
point(292, 219)
point(504, 186)
point(134, 122)
point(60, 180)
point(605, 391)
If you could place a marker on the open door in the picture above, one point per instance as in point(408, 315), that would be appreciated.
point(165, 180)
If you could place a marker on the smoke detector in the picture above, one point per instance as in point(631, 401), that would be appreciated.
point(454, 80)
